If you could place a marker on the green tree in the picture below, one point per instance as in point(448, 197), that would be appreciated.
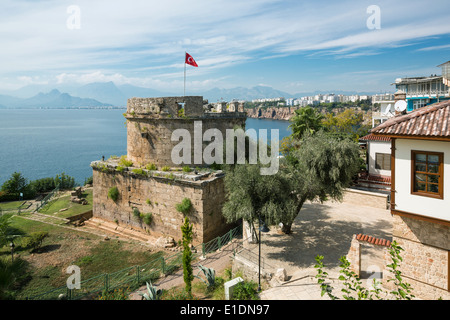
point(18, 184)
point(348, 123)
point(320, 168)
point(188, 274)
point(305, 119)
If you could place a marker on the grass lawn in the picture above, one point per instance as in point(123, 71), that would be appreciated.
point(46, 269)
point(54, 206)
point(11, 205)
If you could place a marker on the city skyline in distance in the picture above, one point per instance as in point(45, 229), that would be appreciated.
point(287, 45)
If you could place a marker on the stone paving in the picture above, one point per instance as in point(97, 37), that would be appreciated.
point(324, 229)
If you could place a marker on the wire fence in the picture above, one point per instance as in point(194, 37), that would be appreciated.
point(136, 276)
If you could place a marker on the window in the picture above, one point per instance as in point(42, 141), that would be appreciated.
point(419, 103)
point(383, 161)
point(427, 173)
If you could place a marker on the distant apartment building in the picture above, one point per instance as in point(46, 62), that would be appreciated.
point(422, 91)
point(385, 109)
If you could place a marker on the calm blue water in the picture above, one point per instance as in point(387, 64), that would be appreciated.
point(45, 142)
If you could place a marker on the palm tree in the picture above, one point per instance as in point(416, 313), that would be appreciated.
point(306, 119)
point(9, 272)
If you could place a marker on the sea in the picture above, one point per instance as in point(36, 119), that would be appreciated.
point(42, 143)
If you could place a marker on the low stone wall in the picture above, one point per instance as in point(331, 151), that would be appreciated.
point(85, 215)
point(366, 198)
point(426, 256)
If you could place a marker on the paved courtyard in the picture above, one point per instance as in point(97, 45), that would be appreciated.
point(322, 229)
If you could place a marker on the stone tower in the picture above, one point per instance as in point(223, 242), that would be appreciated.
point(146, 186)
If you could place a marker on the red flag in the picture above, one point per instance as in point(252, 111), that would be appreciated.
point(189, 60)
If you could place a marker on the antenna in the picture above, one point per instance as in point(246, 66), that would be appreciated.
point(400, 105)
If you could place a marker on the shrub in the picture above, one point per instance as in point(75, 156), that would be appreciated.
point(34, 240)
point(246, 291)
point(116, 294)
point(139, 171)
point(136, 213)
point(148, 201)
point(186, 169)
point(120, 168)
point(185, 206)
point(165, 168)
point(124, 162)
point(150, 167)
point(148, 218)
point(113, 193)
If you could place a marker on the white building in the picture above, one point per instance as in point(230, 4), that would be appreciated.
point(420, 196)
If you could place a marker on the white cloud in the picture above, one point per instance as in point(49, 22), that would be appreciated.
point(146, 40)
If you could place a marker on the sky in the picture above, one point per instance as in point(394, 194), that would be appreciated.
point(293, 46)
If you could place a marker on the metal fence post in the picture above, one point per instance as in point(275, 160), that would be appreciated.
point(106, 282)
point(163, 265)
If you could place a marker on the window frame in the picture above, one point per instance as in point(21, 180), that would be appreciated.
point(440, 184)
point(383, 155)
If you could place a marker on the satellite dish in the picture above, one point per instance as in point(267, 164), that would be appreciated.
point(388, 110)
point(400, 106)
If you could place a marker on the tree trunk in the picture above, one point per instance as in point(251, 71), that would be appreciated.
point(286, 228)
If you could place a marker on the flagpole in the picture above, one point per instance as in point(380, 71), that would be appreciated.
point(184, 94)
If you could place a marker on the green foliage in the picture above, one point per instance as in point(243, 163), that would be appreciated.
point(403, 290)
point(305, 120)
point(16, 184)
point(185, 206)
point(10, 273)
point(120, 168)
point(139, 171)
point(5, 228)
point(186, 169)
point(348, 123)
point(210, 276)
point(89, 180)
point(124, 162)
point(116, 294)
point(148, 201)
point(152, 293)
point(150, 167)
point(148, 218)
point(113, 193)
point(188, 275)
point(352, 285)
point(11, 188)
point(136, 213)
point(246, 290)
point(165, 168)
point(34, 240)
point(216, 166)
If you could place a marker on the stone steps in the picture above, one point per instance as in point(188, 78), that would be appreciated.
point(124, 232)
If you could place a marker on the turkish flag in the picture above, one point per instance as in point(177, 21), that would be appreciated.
point(190, 60)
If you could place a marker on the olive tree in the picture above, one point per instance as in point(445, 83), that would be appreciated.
point(319, 169)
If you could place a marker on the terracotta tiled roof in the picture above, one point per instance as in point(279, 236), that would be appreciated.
point(376, 178)
point(372, 137)
point(373, 240)
point(430, 121)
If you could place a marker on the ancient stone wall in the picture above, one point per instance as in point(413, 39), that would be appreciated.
point(152, 121)
point(159, 196)
point(426, 257)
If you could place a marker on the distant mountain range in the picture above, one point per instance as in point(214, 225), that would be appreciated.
point(103, 94)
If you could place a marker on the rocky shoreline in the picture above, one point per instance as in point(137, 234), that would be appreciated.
point(275, 113)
